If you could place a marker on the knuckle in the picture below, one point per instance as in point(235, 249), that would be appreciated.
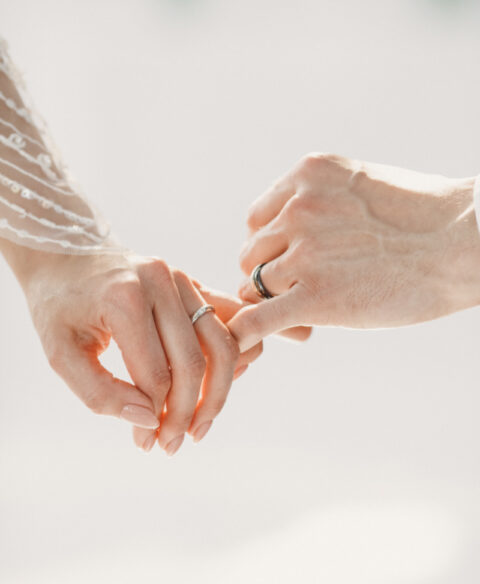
point(180, 419)
point(244, 264)
point(295, 208)
point(180, 277)
point(161, 378)
point(319, 162)
point(252, 217)
point(245, 260)
point(228, 351)
point(127, 296)
point(255, 211)
point(313, 160)
point(158, 271)
point(195, 365)
point(358, 178)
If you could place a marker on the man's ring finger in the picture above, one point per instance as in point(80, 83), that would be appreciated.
point(260, 287)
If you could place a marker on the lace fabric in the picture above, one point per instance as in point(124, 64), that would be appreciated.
point(40, 205)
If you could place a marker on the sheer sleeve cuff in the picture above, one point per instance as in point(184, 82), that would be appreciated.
point(40, 206)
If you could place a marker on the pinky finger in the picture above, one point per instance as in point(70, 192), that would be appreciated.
point(296, 333)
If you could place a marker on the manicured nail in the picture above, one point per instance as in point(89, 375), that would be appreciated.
point(139, 416)
point(149, 442)
point(240, 371)
point(174, 445)
point(201, 431)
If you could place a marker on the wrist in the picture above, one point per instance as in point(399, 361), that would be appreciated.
point(463, 252)
point(32, 266)
point(24, 261)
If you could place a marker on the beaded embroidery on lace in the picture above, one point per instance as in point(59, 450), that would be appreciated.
point(40, 206)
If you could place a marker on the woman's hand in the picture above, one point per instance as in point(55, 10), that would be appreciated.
point(215, 387)
point(359, 245)
point(78, 303)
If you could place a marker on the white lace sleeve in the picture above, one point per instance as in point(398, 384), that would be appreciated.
point(40, 207)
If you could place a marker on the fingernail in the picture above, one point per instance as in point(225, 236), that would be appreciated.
point(174, 445)
point(201, 431)
point(240, 371)
point(149, 442)
point(139, 416)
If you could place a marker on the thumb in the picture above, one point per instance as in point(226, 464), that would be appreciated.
point(99, 390)
point(256, 321)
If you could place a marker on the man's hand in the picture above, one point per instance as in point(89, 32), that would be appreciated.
point(359, 245)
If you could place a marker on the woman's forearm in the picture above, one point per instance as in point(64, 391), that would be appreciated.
point(40, 207)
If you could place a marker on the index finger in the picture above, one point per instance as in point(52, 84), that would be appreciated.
point(269, 205)
point(99, 390)
point(133, 328)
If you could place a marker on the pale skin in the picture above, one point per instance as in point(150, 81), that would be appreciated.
point(360, 245)
point(181, 374)
point(345, 244)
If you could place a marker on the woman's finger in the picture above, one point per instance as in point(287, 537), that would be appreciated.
point(186, 361)
point(226, 306)
point(132, 325)
point(221, 353)
point(135, 333)
point(79, 367)
point(256, 321)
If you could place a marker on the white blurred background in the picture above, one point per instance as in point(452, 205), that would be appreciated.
point(351, 459)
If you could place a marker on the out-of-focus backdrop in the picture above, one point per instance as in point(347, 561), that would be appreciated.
point(351, 459)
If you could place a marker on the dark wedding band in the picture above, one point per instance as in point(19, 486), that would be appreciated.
point(259, 285)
